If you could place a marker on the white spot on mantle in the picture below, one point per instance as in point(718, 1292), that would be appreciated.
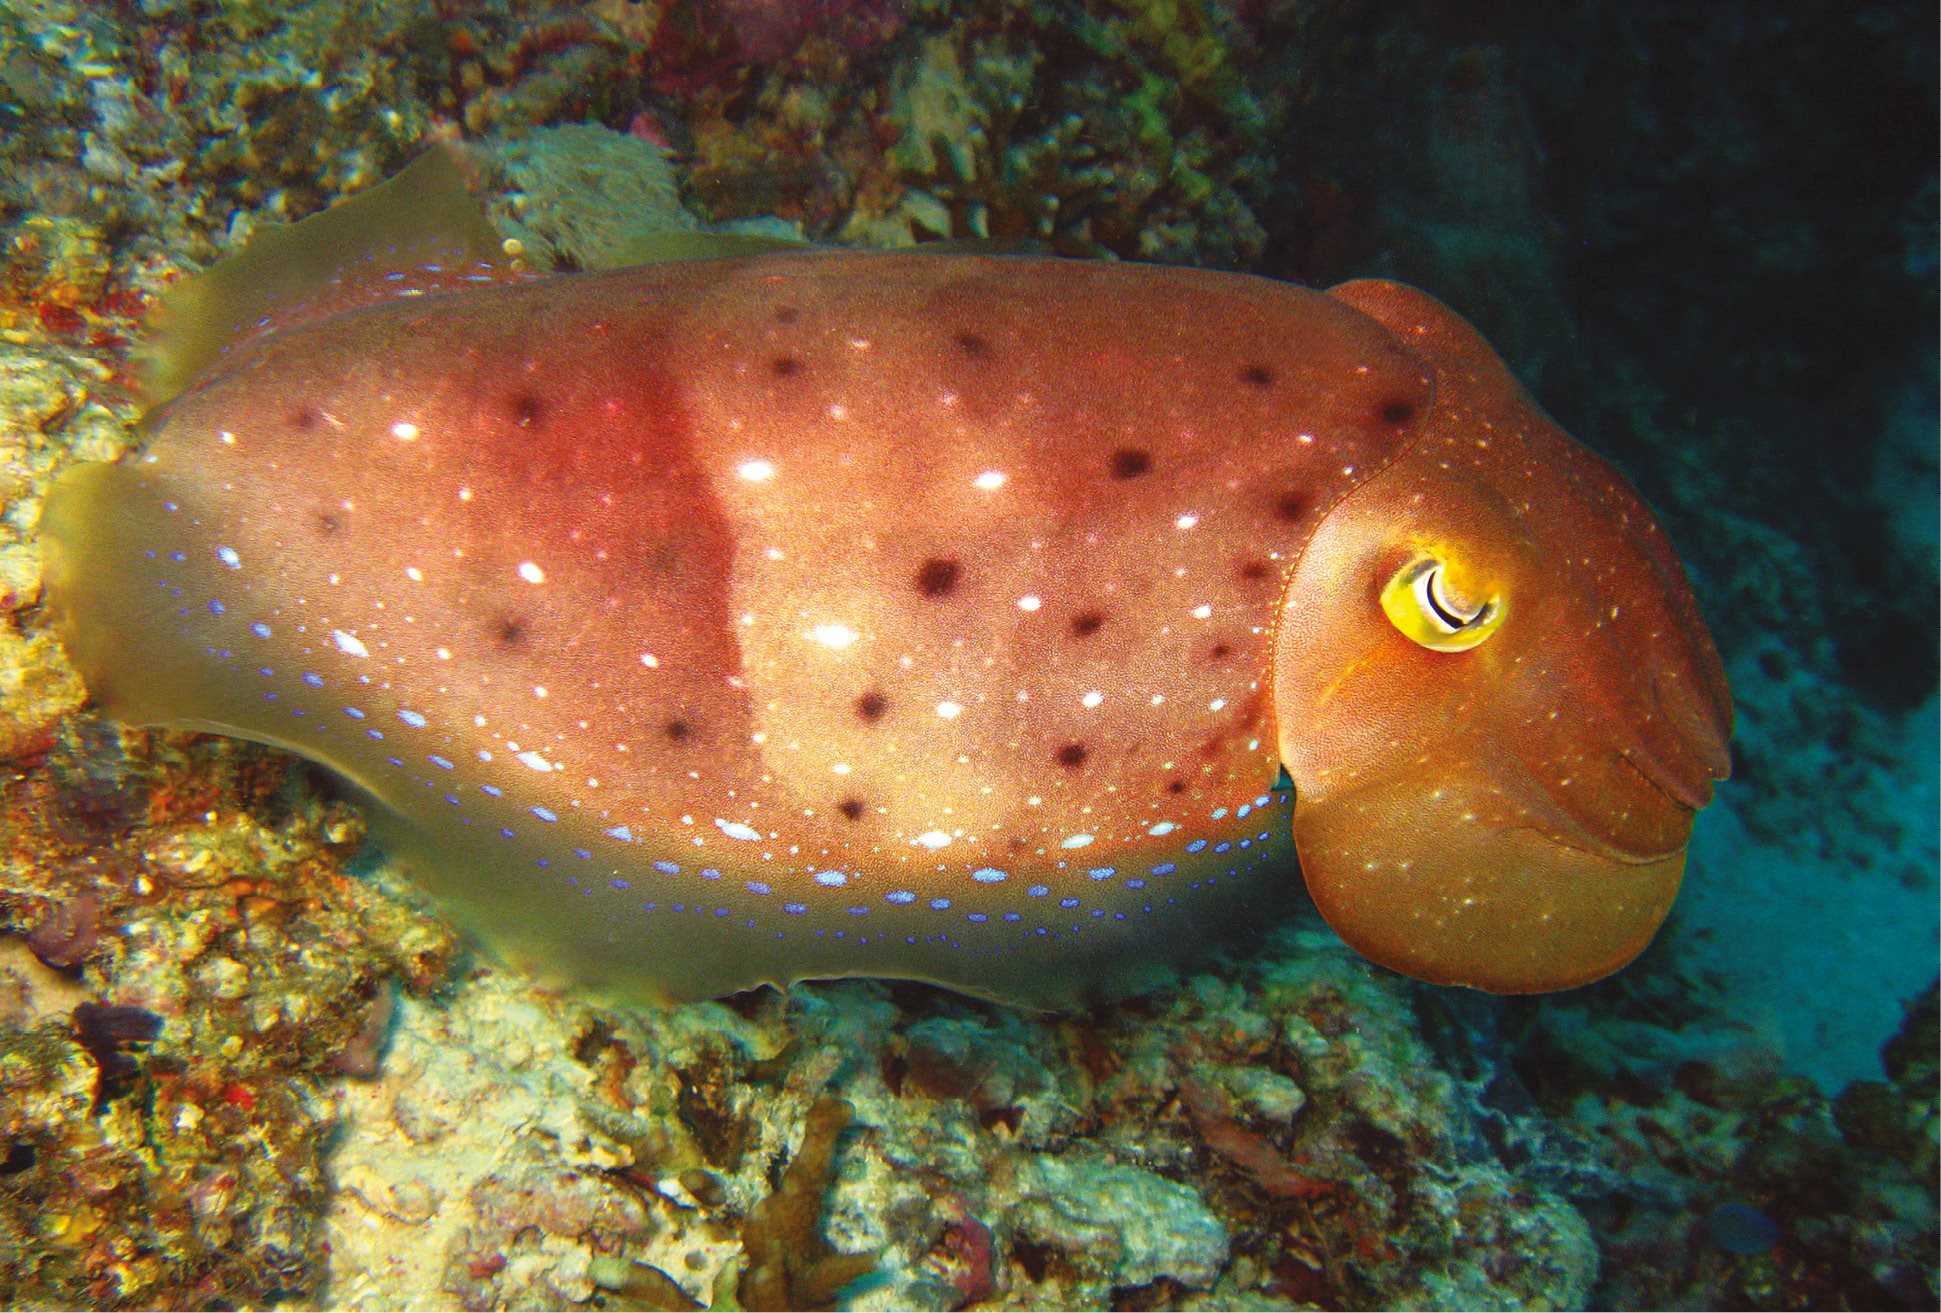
point(348, 644)
point(737, 829)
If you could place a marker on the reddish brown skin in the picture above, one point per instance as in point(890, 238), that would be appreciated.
point(1515, 816)
point(878, 677)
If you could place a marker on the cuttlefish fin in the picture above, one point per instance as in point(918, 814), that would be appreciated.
point(417, 231)
point(676, 244)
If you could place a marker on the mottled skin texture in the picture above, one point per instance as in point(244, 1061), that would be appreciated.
point(933, 616)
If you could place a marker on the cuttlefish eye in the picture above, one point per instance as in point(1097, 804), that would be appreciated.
point(1430, 602)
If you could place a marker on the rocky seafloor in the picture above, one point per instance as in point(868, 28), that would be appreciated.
point(242, 1065)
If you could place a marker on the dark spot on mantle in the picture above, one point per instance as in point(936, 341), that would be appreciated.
point(871, 706)
point(972, 345)
point(851, 808)
point(328, 524)
point(1072, 754)
point(1258, 375)
point(1087, 623)
point(679, 730)
point(526, 409)
point(1255, 570)
point(1398, 412)
point(1292, 506)
point(1131, 462)
point(510, 631)
point(785, 366)
point(938, 577)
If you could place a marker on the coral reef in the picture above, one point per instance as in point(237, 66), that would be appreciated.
point(163, 1098)
point(583, 196)
point(164, 130)
point(1729, 1183)
point(789, 1264)
point(1260, 1137)
point(1088, 128)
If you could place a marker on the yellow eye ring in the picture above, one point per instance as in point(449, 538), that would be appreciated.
point(1418, 602)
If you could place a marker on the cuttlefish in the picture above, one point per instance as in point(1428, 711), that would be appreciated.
point(1016, 624)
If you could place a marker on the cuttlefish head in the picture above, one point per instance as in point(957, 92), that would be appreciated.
point(1495, 695)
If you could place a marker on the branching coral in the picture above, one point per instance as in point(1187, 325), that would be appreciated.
point(790, 1264)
